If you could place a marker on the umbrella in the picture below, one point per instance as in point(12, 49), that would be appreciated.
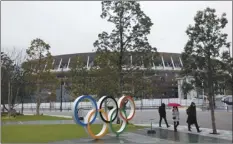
point(174, 104)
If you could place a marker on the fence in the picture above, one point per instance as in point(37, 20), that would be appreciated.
point(144, 103)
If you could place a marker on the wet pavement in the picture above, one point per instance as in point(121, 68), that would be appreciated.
point(183, 137)
point(140, 136)
point(223, 119)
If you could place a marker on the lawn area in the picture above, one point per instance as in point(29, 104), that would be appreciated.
point(48, 133)
point(31, 118)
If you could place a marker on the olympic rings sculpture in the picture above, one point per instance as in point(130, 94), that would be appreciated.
point(108, 119)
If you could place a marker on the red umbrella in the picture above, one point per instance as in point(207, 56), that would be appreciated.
point(174, 104)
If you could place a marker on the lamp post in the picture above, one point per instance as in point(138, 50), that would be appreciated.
point(62, 83)
point(49, 95)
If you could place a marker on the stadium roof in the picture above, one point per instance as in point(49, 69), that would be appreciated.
point(165, 61)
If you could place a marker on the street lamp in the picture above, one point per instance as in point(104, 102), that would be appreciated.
point(62, 83)
point(49, 95)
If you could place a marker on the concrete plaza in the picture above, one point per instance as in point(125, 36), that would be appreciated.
point(162, 136)
point(223, 118)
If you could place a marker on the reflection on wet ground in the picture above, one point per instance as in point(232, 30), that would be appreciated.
point(183, 137)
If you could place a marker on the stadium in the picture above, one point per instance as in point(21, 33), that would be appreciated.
point(164, 72)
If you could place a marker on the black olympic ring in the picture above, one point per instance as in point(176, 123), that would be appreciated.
point(100, 107)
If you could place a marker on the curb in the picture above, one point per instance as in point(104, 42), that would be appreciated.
point(58, 116)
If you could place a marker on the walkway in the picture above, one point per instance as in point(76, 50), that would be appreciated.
point(223, 119)
point(223, 134)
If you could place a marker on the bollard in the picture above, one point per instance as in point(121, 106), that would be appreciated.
point(151, 131)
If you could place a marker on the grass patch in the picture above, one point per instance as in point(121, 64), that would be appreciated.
point(31, 118)
point(49, 133)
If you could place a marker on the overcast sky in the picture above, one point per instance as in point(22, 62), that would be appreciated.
point(72, 27)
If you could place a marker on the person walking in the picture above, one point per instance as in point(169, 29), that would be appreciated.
point(175, 117)
point(192, 117)
point(162, 114)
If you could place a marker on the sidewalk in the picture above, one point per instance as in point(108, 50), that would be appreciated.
point(223, 134)
point(162, 136)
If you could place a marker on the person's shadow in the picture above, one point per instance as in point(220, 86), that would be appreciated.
point(163, 134)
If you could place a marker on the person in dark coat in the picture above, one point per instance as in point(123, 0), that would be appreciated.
point(192, 117)
point(162, 114)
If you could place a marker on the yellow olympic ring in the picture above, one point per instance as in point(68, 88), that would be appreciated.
point(104, 130)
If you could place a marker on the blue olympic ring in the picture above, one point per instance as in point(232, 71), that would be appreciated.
point(76, 102)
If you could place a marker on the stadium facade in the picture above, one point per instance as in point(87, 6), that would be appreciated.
point(164, 72)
